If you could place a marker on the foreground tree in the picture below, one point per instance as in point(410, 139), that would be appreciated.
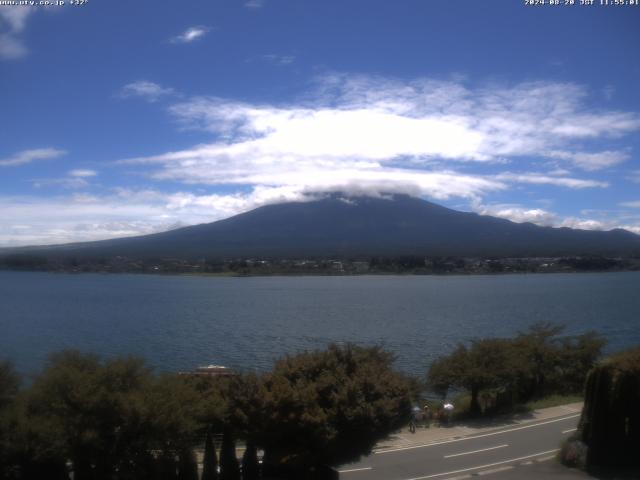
point(328, 407)
point(188, 465)
point(210, 461)
point(106, 416)
point(554, 363)
point(610, 423)
point(487, 364)
point(250, 465)
point(9, 385)
point(229, 467)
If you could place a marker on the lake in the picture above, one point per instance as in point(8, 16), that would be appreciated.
point(180, 322)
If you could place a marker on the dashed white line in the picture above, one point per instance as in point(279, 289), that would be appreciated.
point(480, 467)
point(495, 470)
point(475, 451)
point(545, 459)
point(355, 470)
point(570, 430)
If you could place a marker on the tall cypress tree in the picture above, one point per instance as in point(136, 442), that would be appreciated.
point(610, 423)
point(167, 467)
point(188, 466)
point(210, 462)
point(250, 466)
point(229, 467)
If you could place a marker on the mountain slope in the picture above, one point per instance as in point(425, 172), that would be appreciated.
point(359, 226)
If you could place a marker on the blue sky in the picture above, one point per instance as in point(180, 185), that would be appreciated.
point(125, 118)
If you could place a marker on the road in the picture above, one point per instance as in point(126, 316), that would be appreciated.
point(487, 454)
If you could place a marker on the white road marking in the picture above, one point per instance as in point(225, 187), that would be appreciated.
point(355, 470)
point(479, 467)
point(495, 470)
point(424, 445)
point(475, 451)
point(545, 459)
point(570, 430)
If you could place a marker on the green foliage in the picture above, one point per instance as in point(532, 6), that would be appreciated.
point(104, 416)
point(555, 364)
point(553, 401)
point(535, 364)
point(93, 411)
point(330, 406)
point(9, 384)
point(610, 423)
point(114, 419)
point(487, 364)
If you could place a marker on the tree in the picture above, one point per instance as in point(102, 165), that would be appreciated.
point(9, 385)
point(210, 461)
point(610, 422)
point(554, 363)
point(486, 364)
point(188, 465)
point(250, 465)
point(166, 467)
point(172, 406)
point(106, 416)
point(328, 407)
point(540, 353)
point(229, 467)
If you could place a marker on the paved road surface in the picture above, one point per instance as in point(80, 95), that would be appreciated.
point(495, 453)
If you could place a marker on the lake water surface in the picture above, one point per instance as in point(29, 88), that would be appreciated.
point(179, 322)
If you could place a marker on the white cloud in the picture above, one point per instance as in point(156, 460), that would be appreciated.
point(75, 179)
point(190, 34)
point(367, 130)
point(585, 224)
point(81, 173)
point(125, 212)
point(65, 182)
point(635, 204)
point(594, 160)
point(542, 179)
point(254, 4)
point(150, 91)
point(519, 214)
point(279, 59)
point(28, 156)
point(13, 20)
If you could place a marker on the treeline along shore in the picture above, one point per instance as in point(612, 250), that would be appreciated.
point(403, 264)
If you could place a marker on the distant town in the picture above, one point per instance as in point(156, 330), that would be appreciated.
point(417, 265)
